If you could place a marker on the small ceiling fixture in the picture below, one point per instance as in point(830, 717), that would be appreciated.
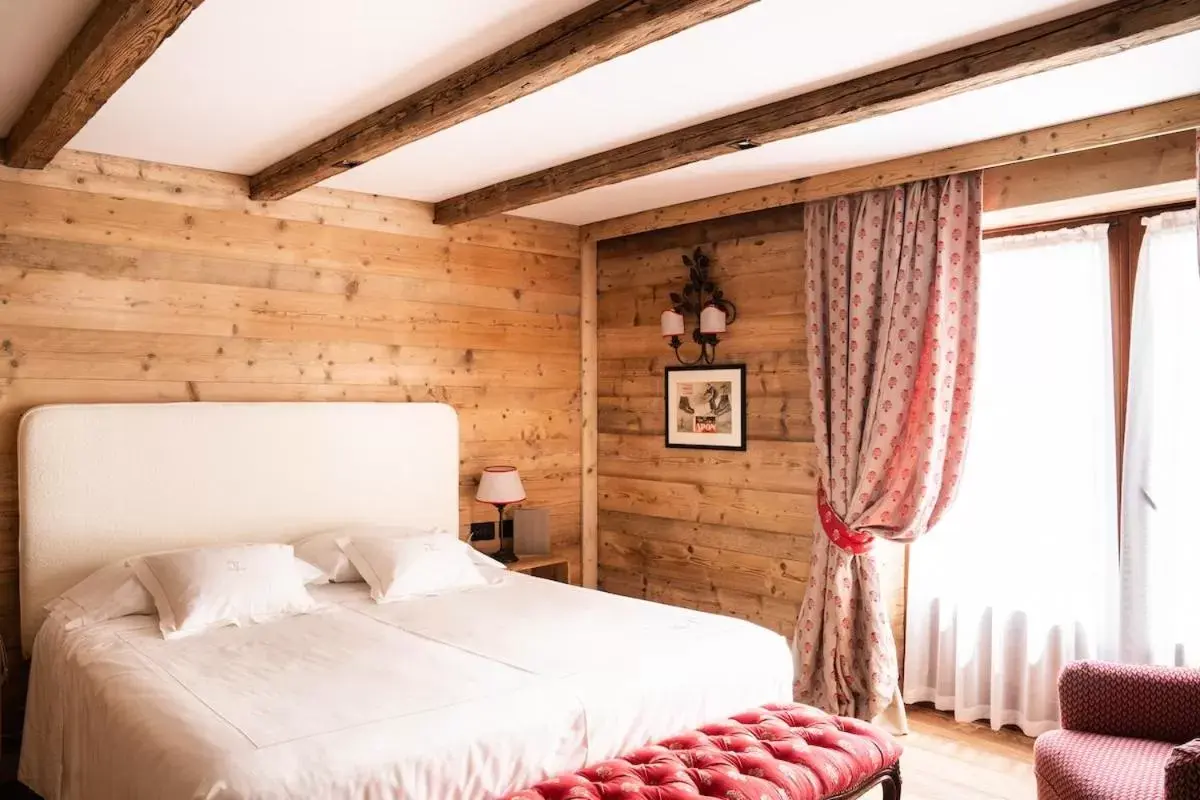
point(702, 298)
point(744, 144)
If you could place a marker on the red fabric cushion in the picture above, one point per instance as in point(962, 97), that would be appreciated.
point(1183, 772)
point(1073, 765)
point(1141, 702)
point(780, 752)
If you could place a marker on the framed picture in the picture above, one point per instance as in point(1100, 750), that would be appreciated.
point(706, 407)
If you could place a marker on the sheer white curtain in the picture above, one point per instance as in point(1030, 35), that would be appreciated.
point(1160, 543)
point(1020, 576)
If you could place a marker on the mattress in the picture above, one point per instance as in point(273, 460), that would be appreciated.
point(469, 694)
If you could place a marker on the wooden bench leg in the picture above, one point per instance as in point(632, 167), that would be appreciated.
point(891, 784)
point(889, 779)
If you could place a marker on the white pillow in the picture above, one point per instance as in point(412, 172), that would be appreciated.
point(322, 549)
point(108, 593)
point(209, 587)
point(415, 565)
point(310, 573)
point(115, 591)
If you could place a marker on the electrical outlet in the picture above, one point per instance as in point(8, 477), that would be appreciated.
point(482, 531)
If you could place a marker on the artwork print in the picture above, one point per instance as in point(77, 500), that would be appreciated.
point(706, 407)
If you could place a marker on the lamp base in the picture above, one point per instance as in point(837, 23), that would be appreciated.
point(506, 554)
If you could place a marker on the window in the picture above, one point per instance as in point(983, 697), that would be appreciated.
point(1019, 576)
point(1089, 336)
point(1160, 545)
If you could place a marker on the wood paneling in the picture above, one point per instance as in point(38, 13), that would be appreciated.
point(721, 531)
point(143, 180)
point(1089, 34)
point(1158, 195)
point(130, 282)
point(760, 223)
point(1122, 126)
point(1159, 170)
point(589, 377)
point(590, 36)
point(1130, 165)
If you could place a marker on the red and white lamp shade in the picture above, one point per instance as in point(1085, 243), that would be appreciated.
point(500, 487)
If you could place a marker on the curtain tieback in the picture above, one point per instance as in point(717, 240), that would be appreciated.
point(841, 534)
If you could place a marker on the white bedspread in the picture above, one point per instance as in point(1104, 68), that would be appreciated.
point(467, 695)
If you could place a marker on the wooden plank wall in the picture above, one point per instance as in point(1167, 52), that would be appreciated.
point(727, 532)
point(123, 281)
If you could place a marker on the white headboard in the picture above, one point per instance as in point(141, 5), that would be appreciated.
point(103, 482)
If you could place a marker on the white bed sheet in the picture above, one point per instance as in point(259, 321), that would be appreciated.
point(470, 694)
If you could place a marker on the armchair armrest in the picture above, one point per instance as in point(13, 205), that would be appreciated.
point(1183, 772)
point(1134, 701)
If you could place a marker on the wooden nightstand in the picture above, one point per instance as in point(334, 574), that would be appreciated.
point(553, 567)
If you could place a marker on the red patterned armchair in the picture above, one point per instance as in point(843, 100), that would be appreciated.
point(1128, 733)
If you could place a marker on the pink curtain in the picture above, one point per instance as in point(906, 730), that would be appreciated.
point(892, 280)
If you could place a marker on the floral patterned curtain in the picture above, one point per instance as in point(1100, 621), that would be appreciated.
point(892, 279)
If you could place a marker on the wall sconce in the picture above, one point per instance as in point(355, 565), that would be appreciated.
point(702, 298)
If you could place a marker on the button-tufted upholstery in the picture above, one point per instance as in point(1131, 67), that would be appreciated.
point(778, 752)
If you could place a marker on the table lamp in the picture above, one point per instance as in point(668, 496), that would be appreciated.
point(501, 486)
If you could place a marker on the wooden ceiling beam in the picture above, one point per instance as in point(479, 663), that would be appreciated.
point(114, 42)
point(1095, 33)
point(1160, 170)
point(595, 34)
point(1157, 161)
point(1107, 129)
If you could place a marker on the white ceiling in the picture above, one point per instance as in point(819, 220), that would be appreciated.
point(32, 34)
point(1136, 77)
point(245, 82)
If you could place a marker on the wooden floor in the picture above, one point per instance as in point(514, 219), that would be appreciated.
point(947, 760)
point(943, 760)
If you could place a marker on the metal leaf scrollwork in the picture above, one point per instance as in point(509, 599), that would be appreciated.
point(698, 293)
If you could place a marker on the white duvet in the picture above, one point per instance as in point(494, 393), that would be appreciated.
point(471, 694)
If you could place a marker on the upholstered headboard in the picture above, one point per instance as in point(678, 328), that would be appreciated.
point(103, 482)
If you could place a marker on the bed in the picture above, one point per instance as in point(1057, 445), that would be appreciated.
point(467, 694)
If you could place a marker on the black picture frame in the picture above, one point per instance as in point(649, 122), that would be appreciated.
point(670, 430)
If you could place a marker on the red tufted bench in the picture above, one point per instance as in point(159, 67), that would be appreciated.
point(778, 752)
